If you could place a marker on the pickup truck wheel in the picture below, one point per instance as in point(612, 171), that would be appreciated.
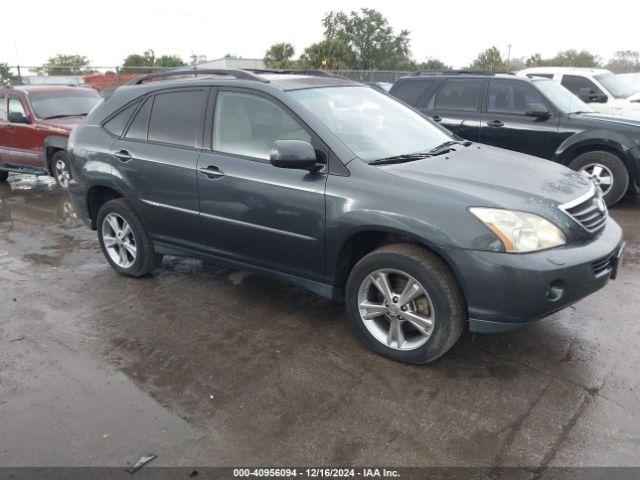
point(607, 170)
point(124, 240)
point(405, 303)
point(61, 170)
point(4, 175)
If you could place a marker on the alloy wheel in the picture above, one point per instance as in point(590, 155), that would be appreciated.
point(118, 240)
point(62, 173)
point(600, 174)
point(396, 309)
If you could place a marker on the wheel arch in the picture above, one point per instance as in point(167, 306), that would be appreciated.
point(51, 145)
point(584, 142)
point(364, 241)
point(97, 196)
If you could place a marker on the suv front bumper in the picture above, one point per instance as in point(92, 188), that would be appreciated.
point(505, 291)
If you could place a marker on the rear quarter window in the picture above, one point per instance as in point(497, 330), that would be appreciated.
point(116, 124)
point(411, 92)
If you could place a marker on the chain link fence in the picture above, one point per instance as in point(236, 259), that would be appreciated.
point(109, 77)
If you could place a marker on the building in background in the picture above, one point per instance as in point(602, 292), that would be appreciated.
point(231, 62)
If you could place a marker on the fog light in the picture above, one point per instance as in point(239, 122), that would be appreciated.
point(556, 290)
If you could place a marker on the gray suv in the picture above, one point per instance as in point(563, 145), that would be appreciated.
point(338, 187)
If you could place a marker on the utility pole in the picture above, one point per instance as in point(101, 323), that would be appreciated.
point(509, 58)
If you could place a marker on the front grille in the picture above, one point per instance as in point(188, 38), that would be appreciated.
point(604, 266)
point(588, 210)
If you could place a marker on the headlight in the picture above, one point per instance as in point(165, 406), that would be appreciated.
point(519, 231)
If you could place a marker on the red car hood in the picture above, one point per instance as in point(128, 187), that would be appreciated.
point(64, 123)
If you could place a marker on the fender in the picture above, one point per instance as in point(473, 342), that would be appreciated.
point(58, 142)
point(594, 138)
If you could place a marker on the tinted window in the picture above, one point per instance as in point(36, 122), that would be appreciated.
point(574, 83)
point(247, 124)
point(510, 97)
point(411, 91)
point(175, 117)
point(15, 106)
point(117, 123)
point(138, 128)
point(459, 95)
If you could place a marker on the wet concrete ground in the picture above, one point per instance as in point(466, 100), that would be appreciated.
point(208, 366)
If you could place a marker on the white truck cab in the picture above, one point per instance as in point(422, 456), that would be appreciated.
point(604, 91)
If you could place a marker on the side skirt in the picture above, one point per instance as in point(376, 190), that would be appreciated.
point(321, 289)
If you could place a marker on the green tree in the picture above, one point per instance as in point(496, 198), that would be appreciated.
point(433, 64)
point(368, 34)
point(279, 55)
point(169, 61)
point(66, 65)
point(534, 60)
point(149, 59)
point(6, 77)
point(624, 61)
point(574, 58)
point(329, 54)
point(489, 59)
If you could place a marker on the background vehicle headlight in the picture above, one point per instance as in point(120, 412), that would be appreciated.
point(520, 231)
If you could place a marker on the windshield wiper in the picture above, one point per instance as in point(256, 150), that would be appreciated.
point(66, 115)
point(444, 147)
point(400, 158)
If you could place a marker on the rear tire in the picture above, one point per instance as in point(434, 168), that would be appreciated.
point(61, 170)
point(608, 170)
point(124, 240)
point(3, 175)
point(416, 331)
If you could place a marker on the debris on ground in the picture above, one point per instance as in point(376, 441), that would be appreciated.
point(142, 461)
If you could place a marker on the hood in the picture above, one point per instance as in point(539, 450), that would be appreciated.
point(495, 177)
point(631, 119)
point(64, 123)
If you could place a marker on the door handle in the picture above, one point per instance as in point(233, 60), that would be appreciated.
point(495, 123)
point(123, 156)
point(211, 172)
point(436, 118)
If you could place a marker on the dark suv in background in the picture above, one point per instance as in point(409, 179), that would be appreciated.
point(536, 116)
point(339, 188)
point(35, 122)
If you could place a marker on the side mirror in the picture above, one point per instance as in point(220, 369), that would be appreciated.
point(536, 110)
point(293, 154)
point(18, 117)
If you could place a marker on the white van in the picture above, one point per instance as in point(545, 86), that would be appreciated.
point(601, 89)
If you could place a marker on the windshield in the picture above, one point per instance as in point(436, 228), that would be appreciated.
point(63, 103)
point(562, 98)
point(373, 125)
point(614, 85)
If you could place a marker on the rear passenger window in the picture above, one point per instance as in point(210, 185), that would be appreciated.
point(138, 128)
point(410, 91)
point(247, 125)
point(116, 124)
point(459, 95)
point(175, 117)
point(510, 97)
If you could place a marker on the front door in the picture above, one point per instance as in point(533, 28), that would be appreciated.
point(23, 146)
point(251, 211)
point(505, 125)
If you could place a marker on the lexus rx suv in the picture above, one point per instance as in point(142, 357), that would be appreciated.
point(34, 126)
point(536, 116)
point(341, 189)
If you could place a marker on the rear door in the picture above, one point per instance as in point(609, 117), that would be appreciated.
point(156, 159)
point(505, 125)
point(456, 106)
point(251, 211)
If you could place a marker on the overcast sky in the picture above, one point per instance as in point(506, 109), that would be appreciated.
point(452, 31)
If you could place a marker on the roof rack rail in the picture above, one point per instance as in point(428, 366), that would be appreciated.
point(314, 73)
point(459, 72)
point(239, 74)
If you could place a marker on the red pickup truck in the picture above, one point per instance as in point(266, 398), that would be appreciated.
point(35, 123)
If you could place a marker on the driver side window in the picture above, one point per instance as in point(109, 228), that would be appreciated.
point(247, 125)
point(15, 106)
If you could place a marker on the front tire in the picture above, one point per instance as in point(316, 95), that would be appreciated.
point(3, 176)
point(405, 303)
point(608, 171)
point(124, 240)
point(61, 170)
